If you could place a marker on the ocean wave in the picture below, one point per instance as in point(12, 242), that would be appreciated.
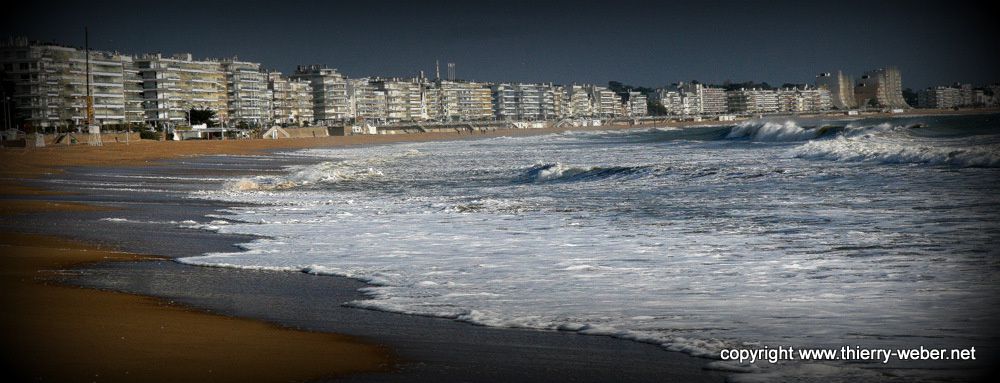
point(559, 172)
point(899, 151)
point(321, 173)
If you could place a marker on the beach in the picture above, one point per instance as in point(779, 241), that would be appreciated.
point(45, 192)
point(131, 203)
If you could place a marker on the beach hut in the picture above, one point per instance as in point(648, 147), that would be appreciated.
point(275, 133)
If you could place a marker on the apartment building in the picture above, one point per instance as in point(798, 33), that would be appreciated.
point(49, 84)
point(404, 99)
point(173, 85)
point(841, 88)
point(938, 97)
point(881, 88)
point(578, 101)
point(459, 101)
point(635, 104)
point(291, 100)
point(526, 102)
point(606, 103)
point(555, 98)
point(678, 102)
point(713, 100)
point(246, 92)
point(330, 101)
point(753, 101)
point(132, 83)
point(366, 102)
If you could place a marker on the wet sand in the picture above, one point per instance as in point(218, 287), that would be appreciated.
point(55, 332)
point(83, 333)
point(427, 349)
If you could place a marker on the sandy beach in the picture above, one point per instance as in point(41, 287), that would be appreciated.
point(64, 333)
point(213, 347)
point(67, 333)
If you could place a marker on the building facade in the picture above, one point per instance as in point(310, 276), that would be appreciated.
point(330, 101)
point(459, 101)
point(174, 85)
point(882, 88)
point(49, 85)
point(841, 88)
point(291, 100)
point(246, 93)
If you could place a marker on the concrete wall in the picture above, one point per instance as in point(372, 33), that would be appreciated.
point(311, 131)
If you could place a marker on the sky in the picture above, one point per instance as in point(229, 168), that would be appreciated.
point(643, 43)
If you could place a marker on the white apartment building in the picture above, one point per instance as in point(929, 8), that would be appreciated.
point(713, 100)
point(50, 84)
point(938, 97)
point(881, 88)
point(692, 99)
point(526, 102)
point(291, 100)
point(459, 101)
point(753, 101)
point(635, 104)
point(578, 101)
point(330, 101)
point(605, 102)
point(366, 102)
point(246, 92)
point(678, 102)
point(841, 88)
point(174, 85)
point(404, 99)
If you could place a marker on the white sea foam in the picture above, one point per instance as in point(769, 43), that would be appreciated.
point(696, 259)
point(772, 131)
point(893, 150)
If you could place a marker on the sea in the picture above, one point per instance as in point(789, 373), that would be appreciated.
point(867, 233)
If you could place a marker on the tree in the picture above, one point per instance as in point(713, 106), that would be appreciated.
point(654, 108)
point(203, 116)
point(910, 96)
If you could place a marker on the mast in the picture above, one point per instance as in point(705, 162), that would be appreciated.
point(90, 98)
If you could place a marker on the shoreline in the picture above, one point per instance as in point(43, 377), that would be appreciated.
point(65, 333)
point(429, 349)
point(45, 199)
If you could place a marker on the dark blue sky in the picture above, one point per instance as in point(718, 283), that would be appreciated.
point(637, 42)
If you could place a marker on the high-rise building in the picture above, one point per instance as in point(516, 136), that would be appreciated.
point(605, 102)
point(841, 88)
point(330, 102)
point(459, 101)
point(578, 101)
point(938, 97)
point(753, 101)
point(49, 83)
point(403, 99)
point(692, 99)
point(366, 102)
point(634, 104)
point(246, 92)
point(881, 88)
point(713, 100)
point(174, 85)
point(291, 100)
point(451, 71)
point(525, 102)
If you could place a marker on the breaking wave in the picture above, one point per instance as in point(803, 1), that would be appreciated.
point(559, 172)
point(322, 173)
point(889, 151)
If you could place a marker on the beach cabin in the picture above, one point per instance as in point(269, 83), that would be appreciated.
point(200, 132)
point(275, 133)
